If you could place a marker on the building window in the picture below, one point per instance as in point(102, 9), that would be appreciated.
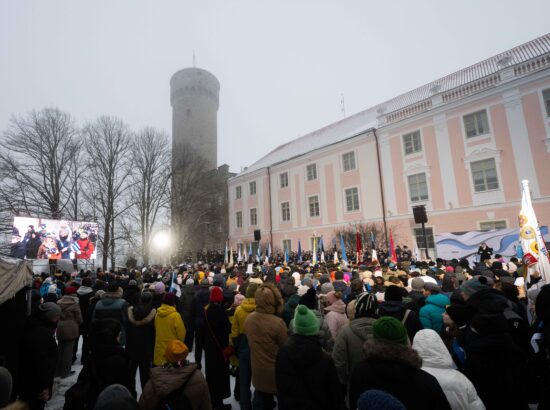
point(476, 124)
point(349, 161)
point(284, 179)
point(313, 206)
point(220, 228)
point(239, 219)
point(352, 199)
point(420, 238)
point(311, 171)
point(252, 188)
point(418, 187)
point(253, 217)
point(484, 174)
point(412, 142)
point(490, 225)
point(285, 211)
point(220, 199)
point(238, 192)
point(287, 245)
point(546, 98)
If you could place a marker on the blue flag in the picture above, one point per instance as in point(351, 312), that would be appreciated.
point(299, 252)
point(343, 246)
point(321, 245)
point(286, 256)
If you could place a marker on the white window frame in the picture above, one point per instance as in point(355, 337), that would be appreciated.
point(411, 200)
point(499, 185)
point(358, 199)
point(545, 106)
point(314, 167)
point(431, 250)
point(238, 192)
point(252, 188)
point(493, 223)
point(287, 244)
point(253, 216)
point(309, 204)
point(412, 134)
point(354, 162)
point(487, 133)
point(283, 220)
point(237, 214)
point(283, 177)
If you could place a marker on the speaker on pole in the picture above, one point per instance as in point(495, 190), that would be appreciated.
point(257, 235)
point(419, 213)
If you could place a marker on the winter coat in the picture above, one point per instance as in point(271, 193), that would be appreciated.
point(18, 250)
point(335, 317)
point(86, 249)
point(348, 347)
point(85, 294)
point(132, 294)
point(32, 247)
point(216, 339)
point(431, 314)
point(140, 334)
point(68, 327)
point(398, 310)
point(290, 306)
point(168, 326)
point(266, 333)
point(437, 361)
point(201, 299)
point(186, 298)
point(112, 306)
point(164, 381)
point(301, 368)
point(241, 313)
point(325, 336)
point(396, 370)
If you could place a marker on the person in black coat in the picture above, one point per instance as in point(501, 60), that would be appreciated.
point(302, 367)
point(184, 309)
point(393, 306)
point(33, 244)
point(393, 366)
point(484, 252)
point(200, 300)
point(216, 339)
point(18, 249)
point(40, 356)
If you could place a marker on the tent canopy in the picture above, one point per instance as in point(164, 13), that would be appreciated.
point(15, 274)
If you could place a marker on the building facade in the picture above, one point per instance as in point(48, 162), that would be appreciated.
point(459, 145)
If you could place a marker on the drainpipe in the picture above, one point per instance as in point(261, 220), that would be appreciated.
point(381, 187)
point(270, 213)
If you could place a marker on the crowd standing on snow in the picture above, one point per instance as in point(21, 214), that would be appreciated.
point(410, 335)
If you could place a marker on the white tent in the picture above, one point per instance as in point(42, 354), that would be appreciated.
point(14, 275)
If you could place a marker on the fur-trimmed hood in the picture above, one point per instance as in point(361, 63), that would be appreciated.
point(378, 352)
point(145, 321)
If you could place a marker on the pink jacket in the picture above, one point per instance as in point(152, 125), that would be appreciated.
point(335, 317)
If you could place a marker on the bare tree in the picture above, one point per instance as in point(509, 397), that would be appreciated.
point(150, 190)
point(36, 163)
point(366, 232)
point(109, 151)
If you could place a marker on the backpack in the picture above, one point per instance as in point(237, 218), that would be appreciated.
point(177, 400)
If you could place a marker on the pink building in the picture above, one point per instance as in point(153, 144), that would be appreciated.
point(459, 145)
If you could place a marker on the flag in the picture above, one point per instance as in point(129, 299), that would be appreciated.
point(372, 241)
point(314, 258)
point(231, 256)
point(259, 252)
point(343, 246)
point(225, 260)
point(269, 250)
point(174, 286)
point(416, 253)
point(335, 259)
point(239, 254)
point(321, 244)
point(250, 250)
point(374, 257)
point(358, 247)
point(322, 256)
point(535, 254)
point(286, 256)
point(299, 252)
point(393, 256)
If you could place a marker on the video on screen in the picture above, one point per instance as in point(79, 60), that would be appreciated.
point(39, 238)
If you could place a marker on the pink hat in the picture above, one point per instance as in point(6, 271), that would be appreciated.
point(238, 299)
point(160, 288)
point(449, 269)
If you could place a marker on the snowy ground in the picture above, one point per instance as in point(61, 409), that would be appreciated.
point(60, 386)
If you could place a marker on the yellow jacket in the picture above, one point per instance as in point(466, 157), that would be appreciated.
point(168, 326)
point(248, 306)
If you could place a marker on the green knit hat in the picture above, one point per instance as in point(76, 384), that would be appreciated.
point(389, 329)
point(305, 322)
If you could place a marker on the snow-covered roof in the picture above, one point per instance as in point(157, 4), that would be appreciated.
point(524, 59)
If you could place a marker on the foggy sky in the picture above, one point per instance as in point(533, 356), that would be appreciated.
point(282, 65)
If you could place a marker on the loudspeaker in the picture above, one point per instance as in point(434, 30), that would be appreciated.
point(419, 213)
point(257, 235)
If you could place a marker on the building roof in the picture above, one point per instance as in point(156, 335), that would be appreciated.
point(524, 59)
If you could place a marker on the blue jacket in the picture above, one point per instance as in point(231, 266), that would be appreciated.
point(431, 313)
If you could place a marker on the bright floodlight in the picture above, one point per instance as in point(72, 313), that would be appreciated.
point(161, 240)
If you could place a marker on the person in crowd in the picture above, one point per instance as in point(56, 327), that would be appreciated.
point(484, 252)
point(33, 244)
point(266, 333)
point(176, 382)
point(431, 314)
point(6, 384)
point(437, 361)
point(417, 294)
point(216, 341)
point(378, 399)
point(348, 348)
point(17, 249)
point(391, 365)
point(303, 366)
point(68, 330)
point(291, 303)
point(132, 293)
point(289, 288)
point(186, 299)
point(335, 313)
point(140, 336)
point(168, 326)
point(240, 343)
point(341, 286)
point(393, 306)
point(113, 306)
point(84, 293)
point(542, 336)
point(201, 299)
point(116, 397)
point(40, 358)
point(456, 321)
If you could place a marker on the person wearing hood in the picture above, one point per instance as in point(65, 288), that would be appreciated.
point(240, 343)
point(266, 333)
point(391, 365)
point(289, 288)
point(169, 379)
point(348, 348)
point(335, 313)
point(431, 314)
point(341, 286)
point(84, 293)
point(132, 293)
point(168, 326)
point(393, 306)
point(437, 361)
point(302, 366)
point(140, 340)
point(291, 303)
point(40, 358)
point(112, 306)
point(67, 331)
point(186, 298)
point(201, 299)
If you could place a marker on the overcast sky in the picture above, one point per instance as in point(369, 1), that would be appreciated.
point(282, 65)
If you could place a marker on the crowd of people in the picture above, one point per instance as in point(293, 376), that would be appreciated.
point(411, 335)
